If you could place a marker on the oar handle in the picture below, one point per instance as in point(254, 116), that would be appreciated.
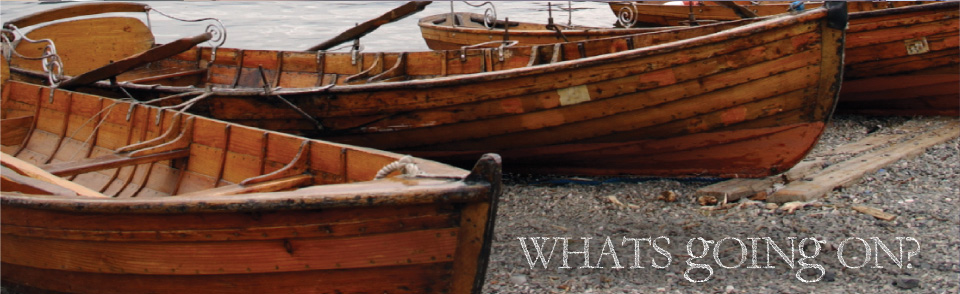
point(119, 67)
point(370, 25)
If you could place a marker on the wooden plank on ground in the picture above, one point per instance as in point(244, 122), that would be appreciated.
point(735, 189)
point(850, 171)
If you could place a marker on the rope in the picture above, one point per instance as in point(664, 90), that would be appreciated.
point(406, 164)
point(94, 132)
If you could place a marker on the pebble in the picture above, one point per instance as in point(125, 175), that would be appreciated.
point(906, 283)
point(929, 178)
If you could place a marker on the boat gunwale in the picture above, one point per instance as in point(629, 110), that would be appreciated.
point(904, 9)
point(311, 198)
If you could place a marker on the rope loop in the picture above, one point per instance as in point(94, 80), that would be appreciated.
point(404, 164)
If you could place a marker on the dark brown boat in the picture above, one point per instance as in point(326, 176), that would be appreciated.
point(105, 196)
point(901, 57)
point(746, 98)
point(903, 61)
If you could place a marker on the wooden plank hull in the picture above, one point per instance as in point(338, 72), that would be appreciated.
point(234, 209)
point(470, 31)
point(903, 61)
point(881, 77)
point(739, 83)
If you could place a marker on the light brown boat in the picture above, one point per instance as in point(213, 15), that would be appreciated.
point(746, 98)
point(105, 196)
point(470, 30)
point(902, 56)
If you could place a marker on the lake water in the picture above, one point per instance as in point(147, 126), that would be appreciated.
point(296, 25)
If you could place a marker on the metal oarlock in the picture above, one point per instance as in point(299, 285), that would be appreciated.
point(217, 30)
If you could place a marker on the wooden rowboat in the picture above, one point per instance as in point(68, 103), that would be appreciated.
point(440, 33)
point(902, 56)
point(105, 196)
point(657, 13)
point(746, 98)
point(903, 61)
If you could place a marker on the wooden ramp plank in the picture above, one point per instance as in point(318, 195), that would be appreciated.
point(850, 171)
point(735, 189)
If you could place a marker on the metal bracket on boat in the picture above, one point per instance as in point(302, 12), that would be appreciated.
point(489, 15)
point(267, 90)
point(503, 44)
point(50, 60)
point(217, 30)
point(551, 26)
point(355, 51)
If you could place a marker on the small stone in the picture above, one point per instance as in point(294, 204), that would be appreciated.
point(771, 206)
point(829, 276)
point(906, 284)
point(729, 289)
point(518, 279)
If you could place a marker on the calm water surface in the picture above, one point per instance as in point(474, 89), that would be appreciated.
point(294, 25)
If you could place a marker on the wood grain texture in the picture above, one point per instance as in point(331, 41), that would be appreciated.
point(880, 77)
point(470, 30)
point(177, 225)
point(577, 107)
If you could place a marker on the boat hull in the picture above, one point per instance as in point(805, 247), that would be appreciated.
point(113, 197)
point(881, 77)
point(903, 61)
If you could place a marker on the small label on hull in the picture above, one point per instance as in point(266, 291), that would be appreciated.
point(917, 46)
point(573, 95)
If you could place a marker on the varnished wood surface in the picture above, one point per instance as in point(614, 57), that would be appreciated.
point(316, 224)
point(881, 78)
point(87, 44)
point(440, 35)
point(715, 80)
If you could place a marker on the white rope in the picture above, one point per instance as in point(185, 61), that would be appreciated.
point(405, 164)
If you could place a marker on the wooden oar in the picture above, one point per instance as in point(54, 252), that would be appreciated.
point(69, 11)
point(370, 25)
point(119, 67)
point(741, 11)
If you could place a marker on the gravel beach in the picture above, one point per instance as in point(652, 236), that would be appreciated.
point(826, 247)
